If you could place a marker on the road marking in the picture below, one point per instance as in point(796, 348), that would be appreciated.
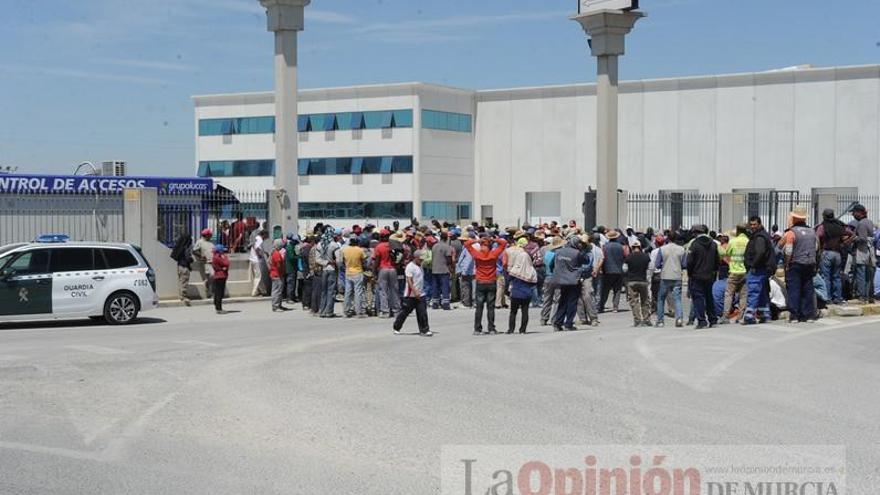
point(666, 369)
point(786, 328)
point(96, 349)
point(9, 357)
point(196, 342)
point(703, 384)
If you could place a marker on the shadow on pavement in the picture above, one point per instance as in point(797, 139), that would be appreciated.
point(49, 324)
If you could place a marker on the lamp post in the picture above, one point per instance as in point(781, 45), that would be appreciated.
point(607, 22)
point(285, 18)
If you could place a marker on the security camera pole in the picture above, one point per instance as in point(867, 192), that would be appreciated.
point(285, 18)
point(607, 22)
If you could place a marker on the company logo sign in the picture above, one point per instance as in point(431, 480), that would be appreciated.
point(57, 184)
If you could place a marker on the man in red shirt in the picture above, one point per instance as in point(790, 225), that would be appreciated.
point(276, 273)
point(385, 266)
point(485, 261)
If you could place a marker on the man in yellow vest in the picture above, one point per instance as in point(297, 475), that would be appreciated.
point(736, 280)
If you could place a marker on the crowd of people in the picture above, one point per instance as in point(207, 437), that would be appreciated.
point(568, 275)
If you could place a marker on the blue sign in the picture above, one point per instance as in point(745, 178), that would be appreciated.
point(55, 184)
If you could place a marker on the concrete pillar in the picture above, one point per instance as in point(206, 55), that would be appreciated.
point(621, 208)
point(607, 30)
point(140, 227)
point(285, 18)
point(733, 210)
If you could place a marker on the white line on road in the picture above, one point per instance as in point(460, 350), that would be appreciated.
point(96, 349)
point(196, 342)
point(9, 357)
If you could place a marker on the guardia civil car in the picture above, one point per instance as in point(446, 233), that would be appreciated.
point(52, 278)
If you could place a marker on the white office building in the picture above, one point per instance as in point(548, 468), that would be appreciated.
point(391, 151)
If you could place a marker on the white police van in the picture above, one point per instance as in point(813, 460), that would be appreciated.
point(52, 278)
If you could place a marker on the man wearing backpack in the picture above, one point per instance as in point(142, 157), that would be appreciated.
point(182, 254)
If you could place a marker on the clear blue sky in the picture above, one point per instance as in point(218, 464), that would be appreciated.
point(112, 79)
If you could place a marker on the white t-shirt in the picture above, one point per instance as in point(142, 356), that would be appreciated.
point(414, 271)
point(256, 250)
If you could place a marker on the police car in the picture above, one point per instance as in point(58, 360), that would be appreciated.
point(52, 278)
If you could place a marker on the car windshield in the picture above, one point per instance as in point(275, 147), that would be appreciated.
point(4, 250)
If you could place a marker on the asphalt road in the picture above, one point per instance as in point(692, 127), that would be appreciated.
point(254, 402)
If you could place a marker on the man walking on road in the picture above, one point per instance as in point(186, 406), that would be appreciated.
point(414, 297)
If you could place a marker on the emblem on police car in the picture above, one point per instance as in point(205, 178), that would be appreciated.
point(23, 295)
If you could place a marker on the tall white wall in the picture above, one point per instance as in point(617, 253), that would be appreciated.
point(783, 130)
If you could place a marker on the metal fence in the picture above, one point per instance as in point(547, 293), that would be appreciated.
point(232, 217)
point(672, 210)
point(82, 216)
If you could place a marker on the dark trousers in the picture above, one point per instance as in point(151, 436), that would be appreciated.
point(611, 283)
point(519, 305)
point(219, 292)
point(485, 297)
point(568, 297)
point(799, 282)
point(306, 296)
point(440, 290)
point(290, 283)
point(410, 304)
point(317, 292)
point(704, 303)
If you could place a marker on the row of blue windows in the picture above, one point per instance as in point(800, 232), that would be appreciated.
point(244, 125)
point(446, 121)
point(310, 166)
point(386, 119)
point(446, 210)
point(324, 211)
point(356, 166)
point(241, 168)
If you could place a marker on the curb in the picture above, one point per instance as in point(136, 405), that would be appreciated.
point(209, 302)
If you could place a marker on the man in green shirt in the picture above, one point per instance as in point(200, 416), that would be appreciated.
point(736, 280)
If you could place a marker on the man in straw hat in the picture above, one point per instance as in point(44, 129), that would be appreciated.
point(550, 299)
point(612, 271)
point(586, 305)
point(800, 246)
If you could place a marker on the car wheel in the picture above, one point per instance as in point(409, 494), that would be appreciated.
point(120, 309)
